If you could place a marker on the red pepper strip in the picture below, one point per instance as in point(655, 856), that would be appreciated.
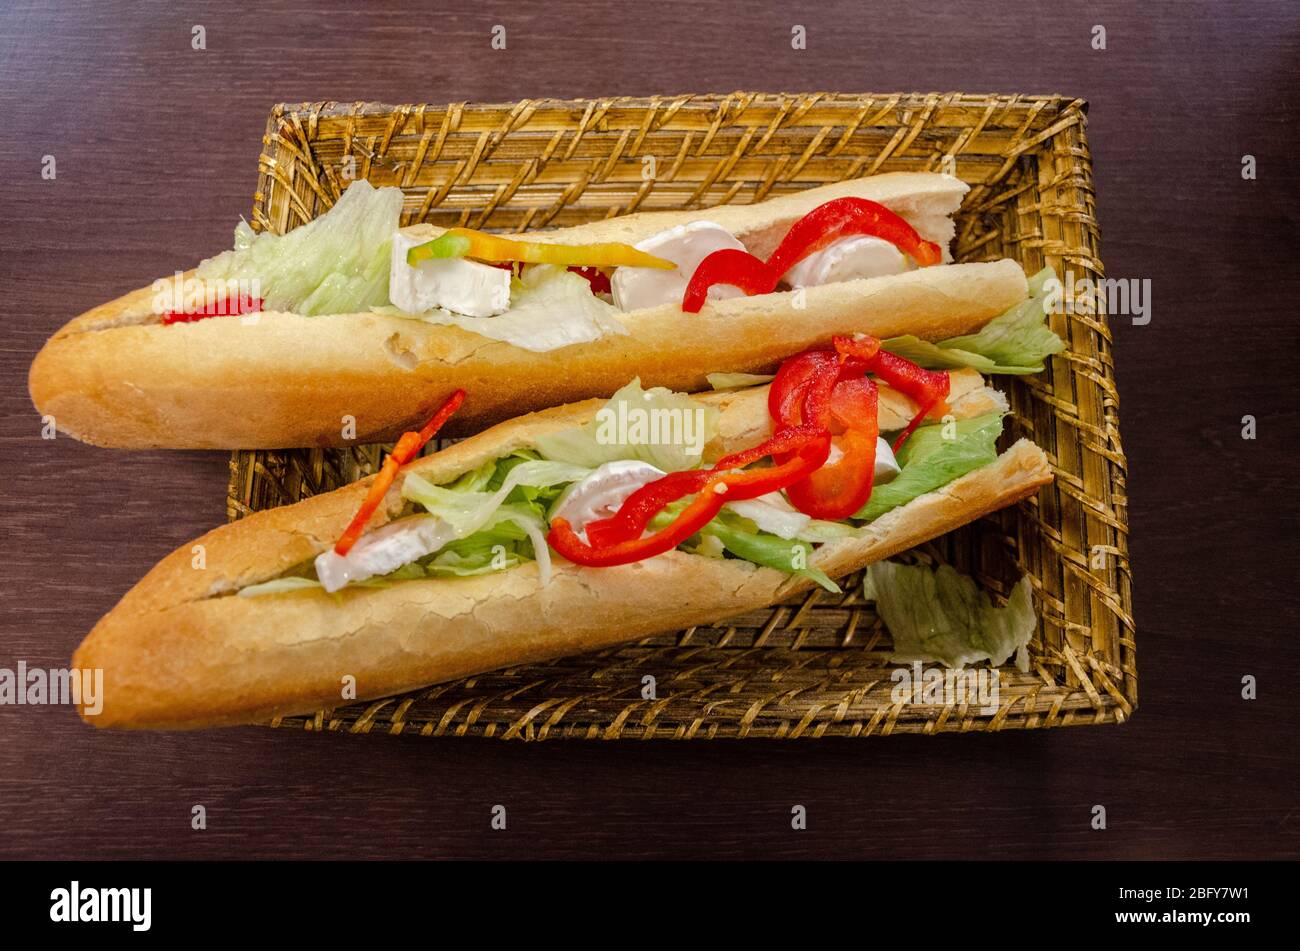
point(406, 449)
point(863, 347)
point(831, 392)
point(218, 308)
point(598, 279)
point(641, 506)
point(911, 427)
point(816, 410)
point(840, 489)
point(828, 222)
point(927, 388)
point(617, 540)
point(786, 440)
point(843, 217)
point(923, 386)
point(789, 390)
point(727, 266)
point(853, 404)
point(751, 483)
point(694, 517)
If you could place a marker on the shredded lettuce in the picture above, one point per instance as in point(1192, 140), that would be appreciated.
point(1017, 342)
point(943, 616)
point(468, 510)
point(658, 426)
point(789, 555)
point(550, 307)
point(335, 264)
point(934, 456)
point(516, 493)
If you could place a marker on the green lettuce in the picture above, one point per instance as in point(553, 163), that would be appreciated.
point(934, 456)
point(514, 496)
point(1017, 342)
point(943, 616)
point(335, 264)
point(742, 540)
point(469, 509)
point(502, 543)
point(666, 429)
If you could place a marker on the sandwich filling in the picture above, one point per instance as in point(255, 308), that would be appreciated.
point(632, 482)
point(538, 295)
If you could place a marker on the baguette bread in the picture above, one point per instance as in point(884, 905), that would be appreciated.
point(182, 651)
point(115, 376)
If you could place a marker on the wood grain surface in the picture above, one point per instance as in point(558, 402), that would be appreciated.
point(156, 146)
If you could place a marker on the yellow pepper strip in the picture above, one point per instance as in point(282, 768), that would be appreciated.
point(467, 243)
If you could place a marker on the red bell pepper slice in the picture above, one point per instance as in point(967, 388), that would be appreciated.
point(786, 440)
point(789, 390)
point(218, 308)
point(854, 404)
point(407, 448)
point(844, 217)
point(839, 489)
point(787, 468)
point(923, 386)
point(828, 222)
point(862, 347)
point(694, 517)
point(727, 266)
point(617, 540)
point(596, 277)
point(641, 506)
point(929, 389)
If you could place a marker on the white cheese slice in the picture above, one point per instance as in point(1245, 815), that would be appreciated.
point(455, 284)
point(603, 493)
point(848, 259)
point(686, 246)
point(383, 550)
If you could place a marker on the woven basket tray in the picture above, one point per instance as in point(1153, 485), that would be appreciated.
point(817, 665)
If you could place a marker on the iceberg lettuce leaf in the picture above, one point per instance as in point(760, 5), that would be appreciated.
point(930, 461)
point(666, 429)
point(335, 264)
point(943, 616)
point(771, 551)
point(1016, 342)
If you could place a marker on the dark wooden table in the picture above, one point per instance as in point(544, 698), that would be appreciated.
point(156, 144)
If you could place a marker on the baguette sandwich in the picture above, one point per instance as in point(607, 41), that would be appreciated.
point(350, 329)
point(574, 529)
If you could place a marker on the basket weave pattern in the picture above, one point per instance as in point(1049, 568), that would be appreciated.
point(817, 665)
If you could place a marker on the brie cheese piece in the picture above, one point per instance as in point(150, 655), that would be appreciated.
point(455, 284)
point(385, 549)
point(603, 493)
point(686, 246)
point(846, 260)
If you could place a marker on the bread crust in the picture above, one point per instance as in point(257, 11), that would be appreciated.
point(287, 380)
point(181, 651)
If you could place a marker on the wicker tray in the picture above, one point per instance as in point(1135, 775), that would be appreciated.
point(815, 666)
